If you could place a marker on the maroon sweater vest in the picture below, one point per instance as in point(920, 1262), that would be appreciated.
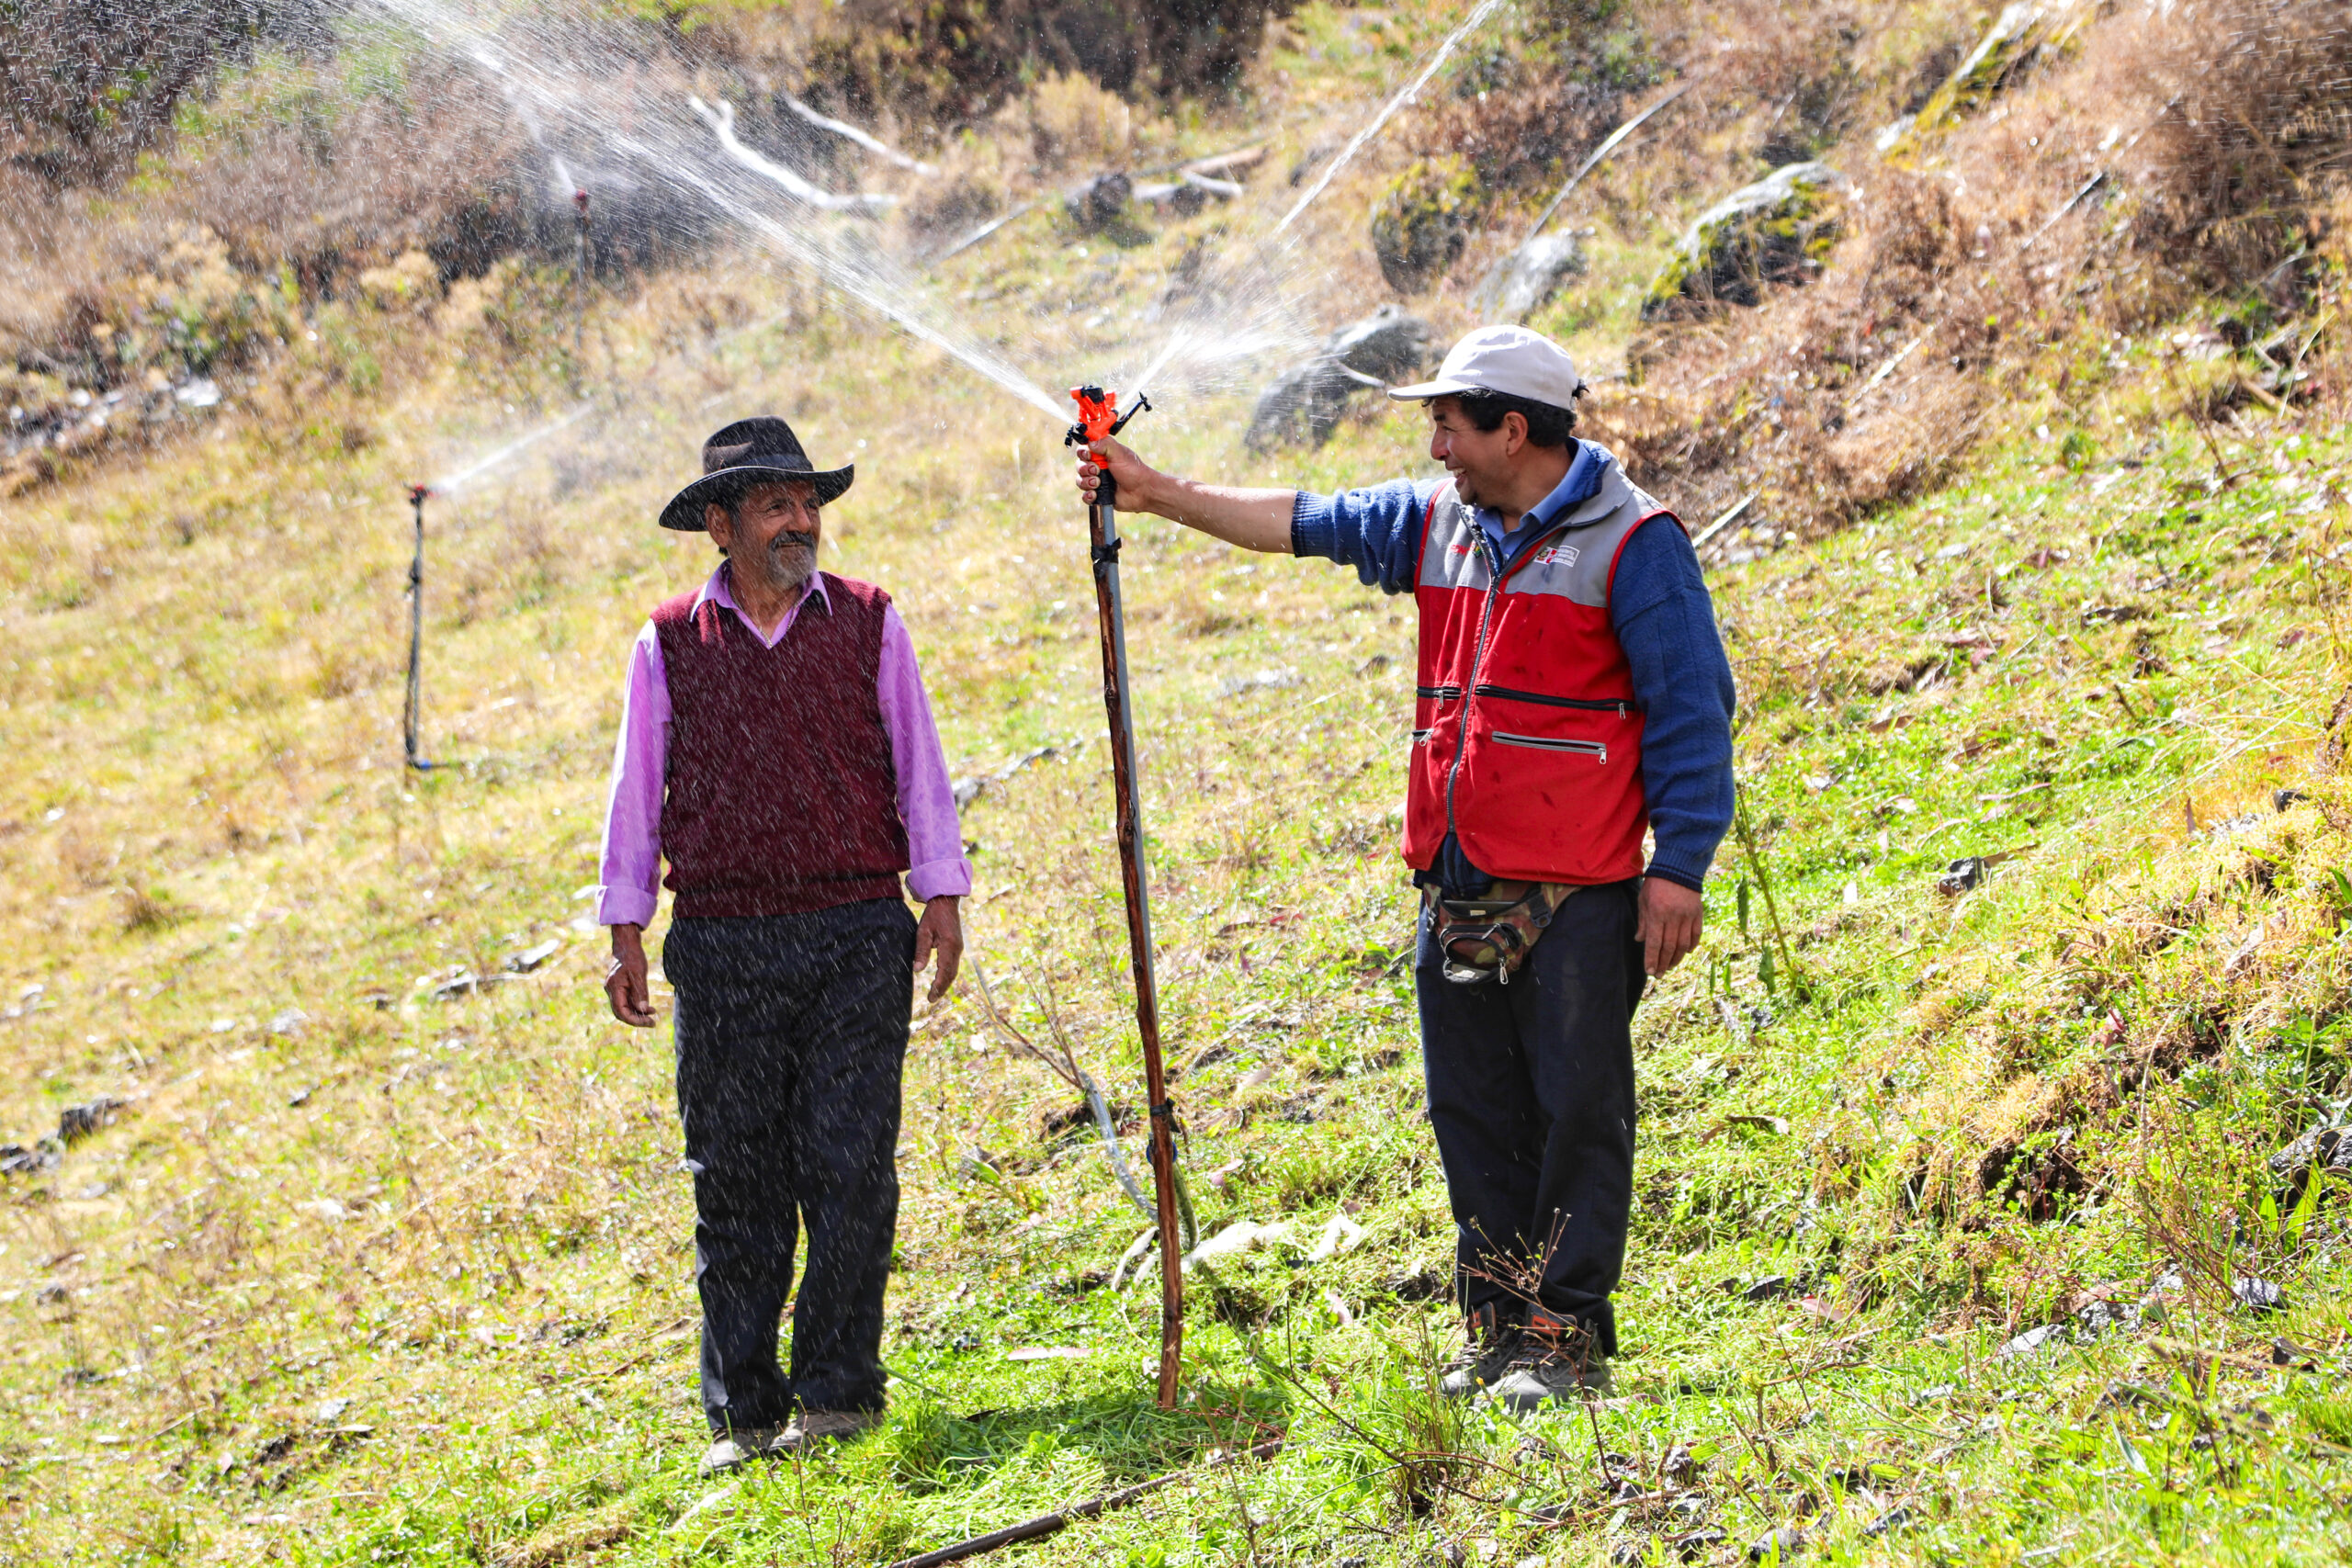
point(781, 797)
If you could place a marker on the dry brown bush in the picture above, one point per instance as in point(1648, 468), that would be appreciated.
point(300, 204)
point(2176, 155)
point(945, 61)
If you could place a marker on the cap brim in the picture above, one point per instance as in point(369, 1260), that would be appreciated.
point(684, 510)
point(1420, 390)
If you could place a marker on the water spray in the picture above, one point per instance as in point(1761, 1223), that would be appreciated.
point(1098, 419)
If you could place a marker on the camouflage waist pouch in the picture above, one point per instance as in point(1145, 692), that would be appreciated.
point(1489, 938)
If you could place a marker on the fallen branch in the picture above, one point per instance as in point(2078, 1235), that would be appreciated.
point(1707, 534)
point(721, 121)
point(849, 132)
point(1047, 1524)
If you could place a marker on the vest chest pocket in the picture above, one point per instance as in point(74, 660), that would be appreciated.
point(1523, 741)
point(1597, 749)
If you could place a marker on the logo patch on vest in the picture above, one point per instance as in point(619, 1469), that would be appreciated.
point(1564, 554)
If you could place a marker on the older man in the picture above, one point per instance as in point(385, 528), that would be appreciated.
point(1573, 696)
point(777, 748)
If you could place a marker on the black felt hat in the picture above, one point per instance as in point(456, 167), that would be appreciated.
point(746, 453)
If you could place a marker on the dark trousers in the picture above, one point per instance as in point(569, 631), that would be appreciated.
point(792, 1030)
point(1531, 1098)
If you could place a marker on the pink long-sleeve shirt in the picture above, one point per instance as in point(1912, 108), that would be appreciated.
point(632, 856)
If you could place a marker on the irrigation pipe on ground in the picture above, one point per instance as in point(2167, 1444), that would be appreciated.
point(1047, 1524)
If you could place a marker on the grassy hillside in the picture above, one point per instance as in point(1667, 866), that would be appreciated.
point(1960, 1236)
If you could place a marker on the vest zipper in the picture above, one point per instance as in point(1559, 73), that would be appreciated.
point(1617, 705)
point(1494, 578)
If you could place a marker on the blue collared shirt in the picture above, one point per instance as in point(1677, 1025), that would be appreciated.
point(1576, 487)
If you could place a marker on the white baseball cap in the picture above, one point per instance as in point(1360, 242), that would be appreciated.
point(1503, 360)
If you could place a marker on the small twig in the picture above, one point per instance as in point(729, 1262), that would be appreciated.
point(1047, 1524)
point(1884, 371)
point(2073, 201)
point(1731, 515)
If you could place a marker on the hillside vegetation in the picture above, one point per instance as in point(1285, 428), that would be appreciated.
point(1988, 1200)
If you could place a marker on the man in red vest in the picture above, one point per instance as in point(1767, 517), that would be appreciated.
point(777, 748)
point(1572, 700)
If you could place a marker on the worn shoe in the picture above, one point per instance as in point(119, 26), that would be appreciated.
point(813, 1426)
point(1555, 1363)
point(1488, 1346)
point(730, 1451)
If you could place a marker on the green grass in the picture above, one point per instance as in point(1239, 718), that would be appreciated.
point(359, 1275)
point(505, 1305)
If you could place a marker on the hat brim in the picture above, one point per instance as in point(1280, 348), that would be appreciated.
point(684, 510)
point(1421, 390)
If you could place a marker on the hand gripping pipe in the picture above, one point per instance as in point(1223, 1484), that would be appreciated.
point(1099, 417)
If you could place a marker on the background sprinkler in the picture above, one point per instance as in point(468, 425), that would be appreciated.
point(410, 710)
point(1097, 417)
point(580, 290)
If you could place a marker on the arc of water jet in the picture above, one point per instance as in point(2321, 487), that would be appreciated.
point(721, 121)
point(1387, 112)
point(1608, 146)
point(482, 466)
point(865, 291)
point(1261, 334)
point(669, 164)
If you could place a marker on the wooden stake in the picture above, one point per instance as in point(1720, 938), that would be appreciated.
point(1103, 530)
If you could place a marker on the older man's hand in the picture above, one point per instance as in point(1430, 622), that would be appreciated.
point(941, 934)
point(625, 981)
point(1671, 916)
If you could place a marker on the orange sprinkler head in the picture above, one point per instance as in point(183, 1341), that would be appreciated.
point(1098, 410)
point(416, 494)
point(1099, 415)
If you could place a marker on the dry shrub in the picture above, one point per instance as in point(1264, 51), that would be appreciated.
point(1516, 112)
point(2211, 133)
point(92, 84)
point(1075, 123)
point(954, 61)
point(290, 184)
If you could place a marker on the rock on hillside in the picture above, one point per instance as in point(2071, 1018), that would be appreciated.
point(1305, 402)
point(1777, 230)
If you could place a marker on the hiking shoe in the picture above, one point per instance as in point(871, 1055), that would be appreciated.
point(730, 1451)
point(1488, 1346)
point(1555, 1363)
point(813, 1426)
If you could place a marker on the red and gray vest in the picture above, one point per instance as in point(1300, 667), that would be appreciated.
point(782, 796)
point(1527, 739)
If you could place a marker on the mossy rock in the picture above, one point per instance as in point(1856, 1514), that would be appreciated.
point(2021, 30)
point(1779, 229)
point(1422, 221)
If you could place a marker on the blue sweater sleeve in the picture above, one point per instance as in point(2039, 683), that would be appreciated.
point(1666, 621)
point(1377, 530)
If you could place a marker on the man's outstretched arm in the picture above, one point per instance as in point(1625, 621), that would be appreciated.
point(1376, 530)
point(1253, 519)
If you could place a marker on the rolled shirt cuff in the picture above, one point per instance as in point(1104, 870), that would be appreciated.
point(625, 906)
point(940, 879)
point(1314, 524)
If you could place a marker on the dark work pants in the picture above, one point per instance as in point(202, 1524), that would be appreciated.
point(792, 1030)
point(1531, 1098)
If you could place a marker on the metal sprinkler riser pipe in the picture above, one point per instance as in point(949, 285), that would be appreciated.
point(410, 708)
point(1099, 419)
